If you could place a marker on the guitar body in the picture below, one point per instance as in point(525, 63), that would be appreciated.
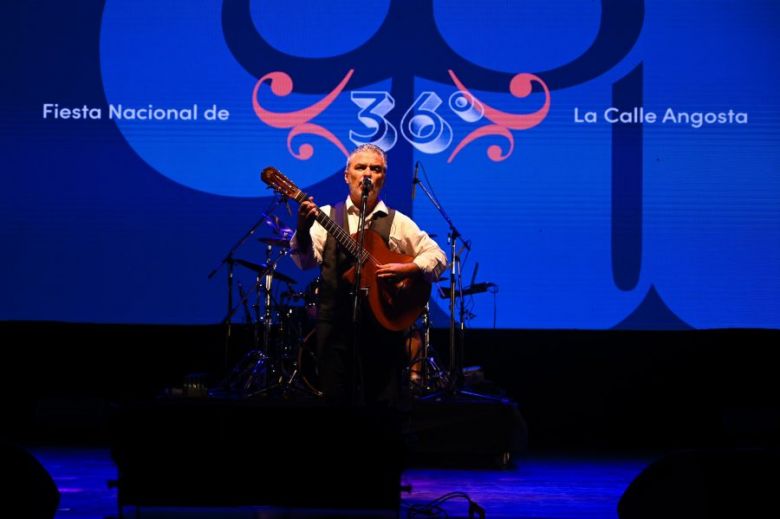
point(395, 304)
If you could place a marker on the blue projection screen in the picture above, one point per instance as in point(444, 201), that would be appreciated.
point(606, 165)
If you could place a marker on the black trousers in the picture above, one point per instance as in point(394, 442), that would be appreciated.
point(378, 362)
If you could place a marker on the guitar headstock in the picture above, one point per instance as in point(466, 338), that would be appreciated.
point(274, 178)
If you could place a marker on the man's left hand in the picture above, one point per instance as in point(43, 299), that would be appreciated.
point(397, 270)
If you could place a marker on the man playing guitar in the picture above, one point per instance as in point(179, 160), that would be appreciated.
point(398, 260)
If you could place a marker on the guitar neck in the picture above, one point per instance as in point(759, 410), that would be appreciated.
point(341, 235)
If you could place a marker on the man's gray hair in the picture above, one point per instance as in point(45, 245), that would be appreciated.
point(367, 147)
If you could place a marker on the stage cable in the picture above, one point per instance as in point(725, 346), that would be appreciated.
point(434, 509)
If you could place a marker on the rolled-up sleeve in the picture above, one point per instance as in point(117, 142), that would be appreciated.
point(407, 238)
point(306, 258)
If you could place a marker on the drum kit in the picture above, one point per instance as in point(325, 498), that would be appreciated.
point(281, 323)
point(281, 359)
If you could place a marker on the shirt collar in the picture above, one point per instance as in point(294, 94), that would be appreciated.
point(380, 208)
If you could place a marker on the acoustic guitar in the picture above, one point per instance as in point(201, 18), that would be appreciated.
point(395, 304)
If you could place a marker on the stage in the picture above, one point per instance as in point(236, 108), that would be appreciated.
point(561, 424)
point(554, 486)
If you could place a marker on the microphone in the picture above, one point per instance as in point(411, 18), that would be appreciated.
point(415, 181)
point(367, 185)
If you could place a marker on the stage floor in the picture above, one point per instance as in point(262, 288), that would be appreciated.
point(551, 486)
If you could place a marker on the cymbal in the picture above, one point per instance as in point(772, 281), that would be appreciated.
point(275, 242)
point(286, 232)
point(476, 288)
point(262, 269)
point(279, 228)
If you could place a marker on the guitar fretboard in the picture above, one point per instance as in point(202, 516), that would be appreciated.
point(342, 236)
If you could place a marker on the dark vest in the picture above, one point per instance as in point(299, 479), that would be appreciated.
point(334, 293)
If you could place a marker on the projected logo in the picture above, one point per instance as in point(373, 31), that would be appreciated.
point(422, 125)
point(368, 68)
point(303, 84)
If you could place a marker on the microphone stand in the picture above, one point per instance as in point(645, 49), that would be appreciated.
point(456, 378)
point(229, 260)
point(357, 371)
point(456, 353)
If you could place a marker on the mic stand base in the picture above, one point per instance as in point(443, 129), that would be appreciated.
point(462, 394)
point(427, 378)
point(454, 388)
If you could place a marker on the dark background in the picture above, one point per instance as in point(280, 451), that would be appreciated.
point(604, 390)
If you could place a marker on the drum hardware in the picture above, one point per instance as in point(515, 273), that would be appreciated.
point(270, 366)
point(306, 365)
point(269, 219)
point(277, 226)
point(423, 371)
point(283, 362)
point(276, 242)
point(475, 288)
point(265, 373)
point(253, 367)
point(293, 296)
point(263, 269)
point(306, 358)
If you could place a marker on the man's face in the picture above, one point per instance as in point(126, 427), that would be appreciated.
point(365, 164)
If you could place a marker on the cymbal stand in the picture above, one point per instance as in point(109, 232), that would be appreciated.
point(252, 367)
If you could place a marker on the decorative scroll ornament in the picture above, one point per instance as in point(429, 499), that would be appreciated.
point(520, 86)
point(298, 122)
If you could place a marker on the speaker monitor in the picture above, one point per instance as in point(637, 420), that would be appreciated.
point(27, 486)
point(705, 483)
point(213, 453)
